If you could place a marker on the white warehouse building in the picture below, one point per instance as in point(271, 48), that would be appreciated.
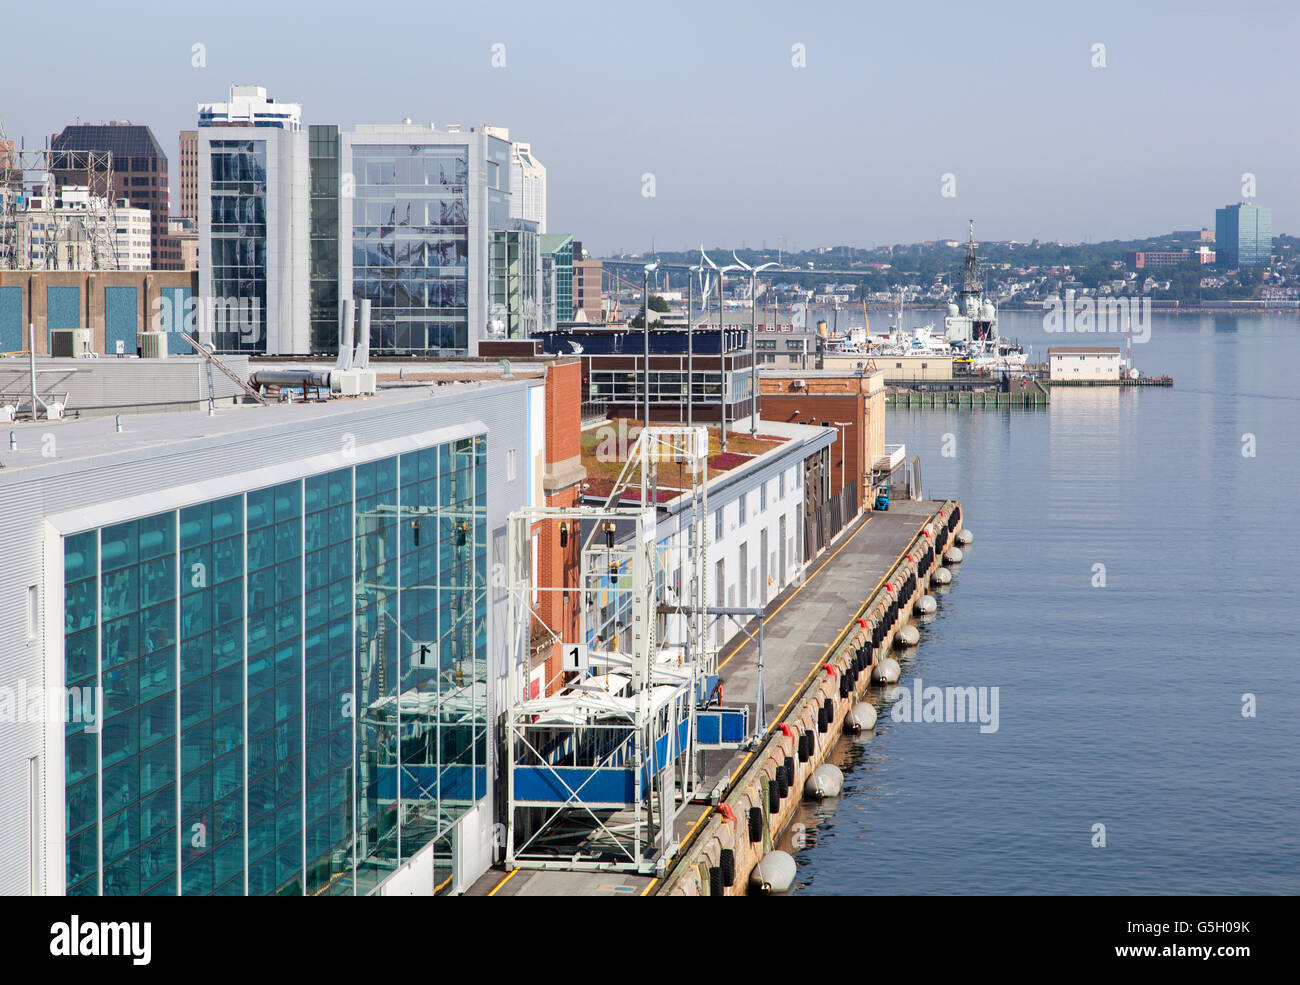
point(1084, 363)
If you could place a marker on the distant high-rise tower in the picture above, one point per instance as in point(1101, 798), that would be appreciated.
point(527, 186)
point(1243, 235)
point(139, 171)
point(253, 215)
point(189, 187)
point(527, 181)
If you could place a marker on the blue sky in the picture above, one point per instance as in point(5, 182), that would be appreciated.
point(743, 145)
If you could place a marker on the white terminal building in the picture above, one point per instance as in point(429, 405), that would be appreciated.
point(1084, 363)
point(258, 652)
point(265, 649)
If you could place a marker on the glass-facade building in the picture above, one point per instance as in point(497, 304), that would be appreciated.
point(411, 244)
point(323, 232)
point(254, 177)
point(294, 682)
point(559, 248)
point(238, 240)
point(514, 310)
point(1243, 236)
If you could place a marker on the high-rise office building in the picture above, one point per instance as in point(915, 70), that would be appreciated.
point(527, 186)
point(1243, 235)
point(253, 201)
point(189, 174)
point(139, 171)
point(527, 181)
point(417, 230)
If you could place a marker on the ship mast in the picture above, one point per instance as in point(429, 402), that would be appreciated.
point(970, 280)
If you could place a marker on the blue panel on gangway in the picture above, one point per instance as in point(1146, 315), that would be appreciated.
point(584, 785)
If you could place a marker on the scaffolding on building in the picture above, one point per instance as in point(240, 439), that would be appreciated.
point(600, 764)
point(23, 172)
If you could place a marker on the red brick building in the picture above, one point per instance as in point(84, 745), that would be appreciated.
point(853, 403)
point(557, 549)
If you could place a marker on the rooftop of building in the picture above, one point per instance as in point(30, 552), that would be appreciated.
point(606, 445)
point(550, 242)
point(1089, 350)
point(123, 138)
point(43, 444)
point(819, 374)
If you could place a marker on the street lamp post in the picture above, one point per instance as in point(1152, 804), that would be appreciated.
point(690, 342)
point(753, 340)
point(650, 268)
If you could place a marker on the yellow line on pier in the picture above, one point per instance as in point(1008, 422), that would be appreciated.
point(493, 890)
point(773, 613)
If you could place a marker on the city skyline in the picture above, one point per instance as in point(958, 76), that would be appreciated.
point(1037, 133)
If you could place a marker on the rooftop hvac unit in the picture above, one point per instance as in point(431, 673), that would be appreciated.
point(74, 342)
point(153, 345)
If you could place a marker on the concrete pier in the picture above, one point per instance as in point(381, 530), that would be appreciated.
point(815, 635)
point(1032, 394)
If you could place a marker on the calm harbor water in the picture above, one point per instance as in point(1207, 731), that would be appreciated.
point(1118, 705)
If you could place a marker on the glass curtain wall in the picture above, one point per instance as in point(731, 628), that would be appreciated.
point(294, 683)
point(323, 144)
point(410, 245)
point(514, 287)
point(238, 241)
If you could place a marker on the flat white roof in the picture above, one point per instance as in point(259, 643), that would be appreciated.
point(1082, 350)
point(44, 443)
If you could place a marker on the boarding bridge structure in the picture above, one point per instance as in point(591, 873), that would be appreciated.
point(598, 771)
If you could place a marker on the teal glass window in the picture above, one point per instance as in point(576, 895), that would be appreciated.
point(315, 650)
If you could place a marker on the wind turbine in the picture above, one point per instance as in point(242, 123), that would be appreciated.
point(753, 338)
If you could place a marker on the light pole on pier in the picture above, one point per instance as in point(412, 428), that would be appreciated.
point(650, 268)
point(753, 340)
